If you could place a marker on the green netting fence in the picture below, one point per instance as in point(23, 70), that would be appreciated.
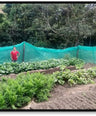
point(30, 53)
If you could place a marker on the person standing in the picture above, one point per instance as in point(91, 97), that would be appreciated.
point(14, 54)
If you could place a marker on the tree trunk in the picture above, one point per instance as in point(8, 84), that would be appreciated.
point(77, 41)
point(77, 53)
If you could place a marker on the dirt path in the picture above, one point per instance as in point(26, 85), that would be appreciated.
point(51, 70)
point(45, 71)
point(65, 97)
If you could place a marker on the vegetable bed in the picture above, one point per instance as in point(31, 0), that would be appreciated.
point(15, 93)
point(7, 68)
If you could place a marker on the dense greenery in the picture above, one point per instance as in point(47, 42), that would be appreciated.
point(17, 92)
point(72, 78)
point(12, 67)
point(48, 25)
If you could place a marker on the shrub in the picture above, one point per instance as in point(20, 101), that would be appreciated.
point(17, 92)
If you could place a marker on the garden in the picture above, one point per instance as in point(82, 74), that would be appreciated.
point(55, 65)
point(26, 85)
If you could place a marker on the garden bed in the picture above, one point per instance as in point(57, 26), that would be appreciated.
point(60, 77)
point(51, 70)
point(45, 71)
point(80, 97)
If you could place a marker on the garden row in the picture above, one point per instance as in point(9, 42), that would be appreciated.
point(7, 68)
point(17, 92)
point(81, 76)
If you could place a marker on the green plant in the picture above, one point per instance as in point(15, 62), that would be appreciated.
point(81, 76)
point(2, 102)
point(12, 67)
point(17, 92)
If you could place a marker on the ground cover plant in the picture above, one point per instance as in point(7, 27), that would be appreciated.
point(7, 68)
point(81, 76)
point(17, 92)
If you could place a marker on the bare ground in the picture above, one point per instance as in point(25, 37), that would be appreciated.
point(51, 70)
point(79, 97)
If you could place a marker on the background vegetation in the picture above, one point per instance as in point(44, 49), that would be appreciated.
point(48, 25)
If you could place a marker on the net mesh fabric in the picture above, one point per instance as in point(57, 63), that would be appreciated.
point(30, 53)
point(33, 53)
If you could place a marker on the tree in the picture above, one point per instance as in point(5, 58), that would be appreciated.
point(4, 35)
point(51, 25)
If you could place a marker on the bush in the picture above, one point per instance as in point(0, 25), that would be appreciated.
point(17, 92)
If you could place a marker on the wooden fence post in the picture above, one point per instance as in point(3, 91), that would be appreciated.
point(23, 52)
point(77, 52)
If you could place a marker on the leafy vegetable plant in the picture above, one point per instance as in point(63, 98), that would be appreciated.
point(12, 67)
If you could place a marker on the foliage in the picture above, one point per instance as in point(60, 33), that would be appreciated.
point(78, 63)
point(81, 76)
point(17, 92)
point(4, 31)
point(48, 25)
point(12, 67)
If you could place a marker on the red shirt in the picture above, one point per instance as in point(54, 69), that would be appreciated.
point(14, 55)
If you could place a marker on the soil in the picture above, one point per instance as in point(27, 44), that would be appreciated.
point(45, 71)
point(51, 70)
point(89, 65)
point(79, 97)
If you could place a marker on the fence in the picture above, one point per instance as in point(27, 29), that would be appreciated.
point(30, 53)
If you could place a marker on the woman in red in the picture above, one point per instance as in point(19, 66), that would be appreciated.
point(14, 54)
